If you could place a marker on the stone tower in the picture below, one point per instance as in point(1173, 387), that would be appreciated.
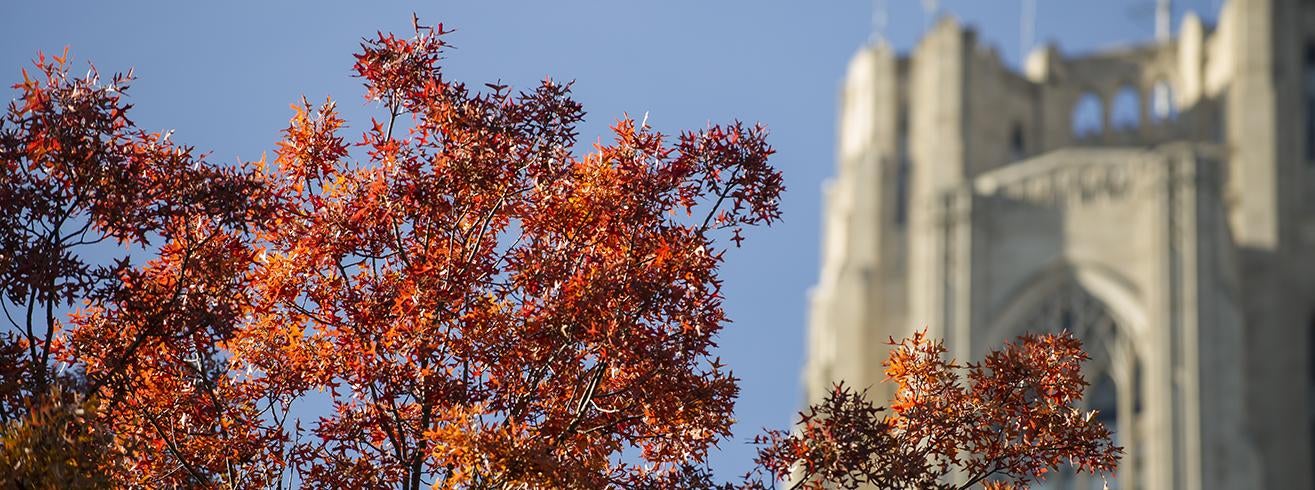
point(1156, 200)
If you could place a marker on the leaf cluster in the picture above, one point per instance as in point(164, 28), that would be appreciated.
point(1004, 422)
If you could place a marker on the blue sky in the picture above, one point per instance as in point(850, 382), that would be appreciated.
point(221, 74)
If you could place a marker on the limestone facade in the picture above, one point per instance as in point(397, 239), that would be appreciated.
point(1157, 200)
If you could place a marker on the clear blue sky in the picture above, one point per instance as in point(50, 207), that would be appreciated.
point(221, 74)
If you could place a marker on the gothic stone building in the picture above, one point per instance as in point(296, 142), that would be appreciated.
point(1157, 200)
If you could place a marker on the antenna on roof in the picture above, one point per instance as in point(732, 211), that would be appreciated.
point(931, 8)
point(879, 19)
point(1027, 29)
point(1163, 19)
point(1163, 13)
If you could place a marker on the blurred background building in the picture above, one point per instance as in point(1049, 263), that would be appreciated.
point(1156, 200)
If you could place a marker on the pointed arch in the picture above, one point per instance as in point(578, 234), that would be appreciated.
point(1100, 308)
point(1106, 286)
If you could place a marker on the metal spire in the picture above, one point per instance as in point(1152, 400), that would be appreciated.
point(931, 8)
point(1163, 19)
point(1027, 29)
point(879, 19)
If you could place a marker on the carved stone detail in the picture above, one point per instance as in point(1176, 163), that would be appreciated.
point(1065, 182)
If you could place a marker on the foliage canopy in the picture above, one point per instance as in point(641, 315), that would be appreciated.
point(469, 302)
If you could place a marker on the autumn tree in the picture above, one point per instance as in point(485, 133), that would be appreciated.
point(79, 183)
point(1007, 421)
point(484, 308)
point(457, 297)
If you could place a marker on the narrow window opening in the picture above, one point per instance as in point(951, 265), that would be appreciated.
point(902, 169)
point(1308, 87)
point(1126, 111)
point(1310, 384)
point(1017, 147)
point(1163, 107)
point(1088, 116)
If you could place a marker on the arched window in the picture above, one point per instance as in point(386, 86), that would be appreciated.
point(1163, 107)
point(1103, 398)
point(1125, 113)
point(1113, 372)
point(1088, 116)
point(1072, 309)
